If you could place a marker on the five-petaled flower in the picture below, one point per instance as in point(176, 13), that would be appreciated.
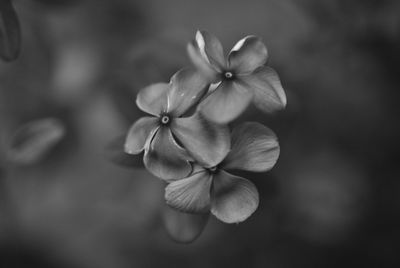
point(237, 80)
point(209, 187)
point(172, 138)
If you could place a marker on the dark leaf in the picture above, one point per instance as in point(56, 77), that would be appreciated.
point(10, 32)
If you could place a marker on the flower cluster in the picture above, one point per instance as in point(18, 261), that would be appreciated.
point(187, 140)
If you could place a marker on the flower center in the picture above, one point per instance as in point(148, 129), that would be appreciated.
point(228, 75)
point(213, 169)
point(165, 119)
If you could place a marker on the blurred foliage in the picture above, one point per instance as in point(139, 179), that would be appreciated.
point(32, 141)
point(10, 32)
point(333, 199)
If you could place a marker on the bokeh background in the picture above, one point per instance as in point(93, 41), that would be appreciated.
point(332, 200)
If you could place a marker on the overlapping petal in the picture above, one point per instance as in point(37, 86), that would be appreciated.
point(142, 130)
point(211, 49)
point(153, 99)
point(188, 86)
point(254, 148)
point(165, 158)
point(234, 198)
point(226, 103)
point(266, 86)
point(206, 141)
point(247, 55)
point(191, 194)
point(204, 67)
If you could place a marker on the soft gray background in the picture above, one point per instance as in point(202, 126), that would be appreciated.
point(331, 201)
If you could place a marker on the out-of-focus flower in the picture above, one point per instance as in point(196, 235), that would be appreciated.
point(237, 80)
point(162, 135)
point(184, 227)
point(10, 32)
point(210, 188)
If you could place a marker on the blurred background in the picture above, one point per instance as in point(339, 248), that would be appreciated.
point(332, 200)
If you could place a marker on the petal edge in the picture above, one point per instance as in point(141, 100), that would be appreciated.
point(269, 95)
point(226, 103)
point(255, 148)
point(247, 55)
point(207, 142)
point(234, 198)
point(191, 194)
point(153, 98)
point(139, 133)
point(165, 159)
point(187, 87)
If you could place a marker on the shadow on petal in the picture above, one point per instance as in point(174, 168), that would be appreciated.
point(139, 134)
point(207, 142)
point(165, 159)
point(226, 103)
point(184, 227)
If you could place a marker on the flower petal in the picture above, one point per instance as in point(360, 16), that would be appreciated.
point(184, 227)
point(187, 87)
point(247, 55)
point(234, 198)
point(226, 103)
point(201, 63)
point(165, 158)
point(153, 99)
point(211, 49)
point(267, 88)
point(190, 194)
point(207, 142)
point(142, 130)
point(254, 148)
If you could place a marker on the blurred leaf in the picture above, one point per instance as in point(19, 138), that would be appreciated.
point(58, 3)
point(10, 32)
point(116, 154)
point(32, 141)
point(184, 227)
